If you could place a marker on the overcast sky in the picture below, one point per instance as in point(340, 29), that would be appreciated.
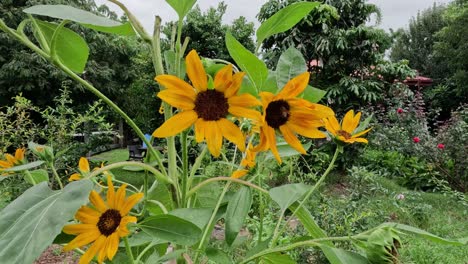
point(395, 13)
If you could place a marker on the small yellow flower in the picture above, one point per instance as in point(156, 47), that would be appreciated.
point(346, 131)
point(290, 116)
point(83, 167)
point(12, 161)
point(207, 109)
point(247, 163)
point(104, 223)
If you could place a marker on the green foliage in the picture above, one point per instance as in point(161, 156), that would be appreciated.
point(30, 223)
point(237, 210)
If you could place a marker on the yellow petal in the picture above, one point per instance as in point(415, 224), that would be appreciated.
point(223, 78)
point(10, 159)
point(232, 133)
point(356, 120)
point(235, 85)
point(348, 121)
point(266, 97)
point(239, 174)
point(93, 250)
point(292, 140)
point(75, 229)
point(83, 164)
point(243, 100)
point(310, 132)
point(196, 72)
point(176, 85)
point(332, 125)
point(244, 112)
point(177, 100)
point(5, 164)
point(87, 215)
point(19, 154)
point(130, 202)
point(361, 133)
point(200, 130)
point(120, 197)
point(176, 124)
point(361, 140)
point(103, 251)
point(263, 145)
point(97, 201)
point(123, 230)
point(214, 138)
point(81, 240)
point(295, 86)
point(113, 245)
point(75, 177)
point(271, 139)
point(110, 192)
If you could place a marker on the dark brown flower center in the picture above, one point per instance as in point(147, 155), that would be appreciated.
point(211, 105)
point(109, 221)
point(343, 133)
point(277, 113)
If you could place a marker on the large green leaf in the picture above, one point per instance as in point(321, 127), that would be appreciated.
point(284, 19)
point(85, 18)
point(277, 258)
point(30, 223)
point(312, 94)
point(342, 256)
point(37, 176)
point(290, 64)
point(237, 210)
point(198, 216)
point(217, 256)
point(23, 167)
point(71, 49)
point(159, 192)
point(182, 7)
point(425, 234)
point(172, 228)
point(286, 195)
point(255, 69)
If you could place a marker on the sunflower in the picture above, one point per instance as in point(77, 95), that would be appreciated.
point(291, 116)
point(207, 108)
point(344, 132)
point(247, 163)
point(12, 161)
point(104, 223)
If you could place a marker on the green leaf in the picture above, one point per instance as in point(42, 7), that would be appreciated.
point(255, 69)
point(247, 87)
point(284, 19)
point(277, 258)
point(341, 256)
point(26, 166)
point(312, 94)
point(172, 228)
point(237, 210)
point(142, 238)
point(364, 124)
point(425, 234)
point(30, 223)
point(71, 49)
point(38, 176)
point(164, 259)
point(286, 195)
point(85, 18)
point(182, 7)
point(258, 248)
point(285, 150)
point(198, 216)
point(290, 64)
point(217, 256)
point(271, 84)
point(160, 193)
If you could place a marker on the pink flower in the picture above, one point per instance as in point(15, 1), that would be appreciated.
point(399, 110)
point(400, 196)
point(416, 139)
point(440, 146)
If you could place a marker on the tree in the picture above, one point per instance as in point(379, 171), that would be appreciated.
point(206, 32)
point(415, 43)
point(345, 56)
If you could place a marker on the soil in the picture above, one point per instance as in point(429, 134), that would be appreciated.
point(54, 255)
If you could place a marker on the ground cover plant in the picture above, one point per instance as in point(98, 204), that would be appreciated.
point(198, 182)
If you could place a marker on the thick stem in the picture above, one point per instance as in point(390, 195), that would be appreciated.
point(57, 177)
point(210, 222)
point(183, 143)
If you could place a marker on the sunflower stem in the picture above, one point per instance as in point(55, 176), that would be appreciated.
point(129, 250)
point(183, 143)
point(57, 177)
point(210, 222)
point(338, 150)
point(229, 179)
